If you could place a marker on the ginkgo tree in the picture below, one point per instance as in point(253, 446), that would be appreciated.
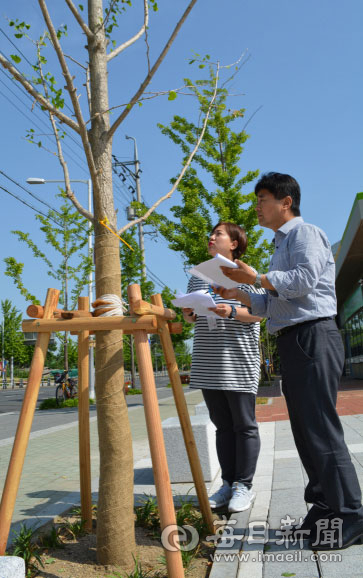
point(66, 259)
point(98, 22)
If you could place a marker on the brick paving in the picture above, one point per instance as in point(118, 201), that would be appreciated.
point(350, 402)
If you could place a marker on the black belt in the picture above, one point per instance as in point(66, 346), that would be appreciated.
point(291, 327)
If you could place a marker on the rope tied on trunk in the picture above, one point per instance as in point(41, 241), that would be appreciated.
point(109, 305)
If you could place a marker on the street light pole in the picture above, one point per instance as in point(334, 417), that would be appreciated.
point(3, 350)
point(39, 181)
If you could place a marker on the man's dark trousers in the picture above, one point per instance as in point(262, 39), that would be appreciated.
point(312, 358)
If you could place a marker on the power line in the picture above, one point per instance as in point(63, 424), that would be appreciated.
point(38, 127)
point(40, 200)
point(27, 204)
point(34, 101)
point(28, 61)
point(157, 279)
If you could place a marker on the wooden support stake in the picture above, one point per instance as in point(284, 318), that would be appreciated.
point(24, 425)
point(184, 418)
point(83, 421)
point(174, 327)
point(90, 323)
point(157, 446)
point(143, 307)
point(37, 311)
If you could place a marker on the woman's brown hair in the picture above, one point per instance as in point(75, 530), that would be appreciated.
point(236, 233)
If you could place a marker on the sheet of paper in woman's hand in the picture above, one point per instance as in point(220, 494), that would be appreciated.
point(211, 272)
point(197, 300)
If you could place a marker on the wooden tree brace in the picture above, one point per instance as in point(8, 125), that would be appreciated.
point(37, 312)
point(146, 322)
point(176, 327)
point(142, 307)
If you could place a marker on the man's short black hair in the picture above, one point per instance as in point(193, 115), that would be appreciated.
point(281, 186)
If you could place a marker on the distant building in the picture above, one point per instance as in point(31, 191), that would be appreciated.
point(348, 255)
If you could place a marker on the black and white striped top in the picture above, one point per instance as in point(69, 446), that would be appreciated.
point(228, 356)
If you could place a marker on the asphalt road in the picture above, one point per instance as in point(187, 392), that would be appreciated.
point(11, 401)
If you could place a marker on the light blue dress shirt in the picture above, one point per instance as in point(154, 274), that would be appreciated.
point(302, 270)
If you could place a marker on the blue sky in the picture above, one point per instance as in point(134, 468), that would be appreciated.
point(304, 71)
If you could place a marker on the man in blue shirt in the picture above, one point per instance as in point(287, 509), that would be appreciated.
point(300, 306)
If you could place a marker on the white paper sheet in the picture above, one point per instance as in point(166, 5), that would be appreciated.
point(197, 300)
point(210, 272)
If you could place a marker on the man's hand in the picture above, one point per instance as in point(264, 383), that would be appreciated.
point(244, 273)
point(222, 310)
point(234, 293)
point(227, 293)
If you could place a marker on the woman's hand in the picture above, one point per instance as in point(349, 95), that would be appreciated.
point(222, 310)
point(189, 315)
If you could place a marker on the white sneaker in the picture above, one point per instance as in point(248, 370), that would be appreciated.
point(221, 497)
point(242, 498)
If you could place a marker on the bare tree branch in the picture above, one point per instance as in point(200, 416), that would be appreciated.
point(150, 74)
point(37, 95)
point(128, 43)
point(75, 61)
point(182, 173)
point(153, 95)
point(71, 89)
point(79, 19)
point(71, 196)
point(87, 83)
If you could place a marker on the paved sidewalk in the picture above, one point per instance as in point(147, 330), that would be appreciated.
point(50, 480)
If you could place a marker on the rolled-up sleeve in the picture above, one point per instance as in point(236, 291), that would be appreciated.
point(309, 252)
point(258, 304)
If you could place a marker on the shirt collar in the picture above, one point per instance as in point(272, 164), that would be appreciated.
point(291, 224)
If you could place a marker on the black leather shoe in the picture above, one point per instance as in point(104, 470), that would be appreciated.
point(314, 514)
point(336, 538)
point(307, 530)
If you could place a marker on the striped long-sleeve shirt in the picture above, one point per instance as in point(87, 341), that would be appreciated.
point(226, 357)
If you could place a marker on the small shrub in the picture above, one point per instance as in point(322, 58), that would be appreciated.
point(261, 400)
point(187, 556)
point(137, 572)
point(133, 391)
point(52, 539)
point(26, 548)
point(51, 403)
point(188, 515)
point(147, 515)
point(73, 402)
point(75, 529)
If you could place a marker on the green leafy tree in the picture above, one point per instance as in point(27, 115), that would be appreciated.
point(66, 234)
point(212, 190)
point(13, 336)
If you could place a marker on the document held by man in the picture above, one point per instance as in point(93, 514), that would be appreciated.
point(199, 301)
point(211, 272)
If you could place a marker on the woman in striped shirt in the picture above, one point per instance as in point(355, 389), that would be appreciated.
point(226, 366)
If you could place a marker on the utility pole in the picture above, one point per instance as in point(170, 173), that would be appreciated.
point(138, 193)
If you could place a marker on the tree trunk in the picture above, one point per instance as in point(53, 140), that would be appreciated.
point(115, 519)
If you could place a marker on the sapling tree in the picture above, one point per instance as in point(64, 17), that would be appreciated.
point(90, 119)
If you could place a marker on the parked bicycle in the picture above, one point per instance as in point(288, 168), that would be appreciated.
point(66, 388)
